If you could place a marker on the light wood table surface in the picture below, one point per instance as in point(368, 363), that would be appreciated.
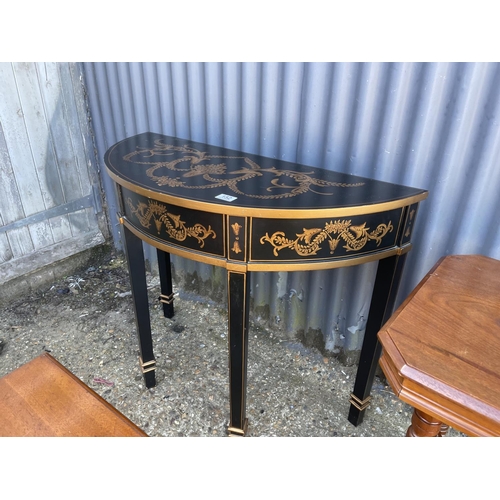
point(441, 348)
point(43, 398)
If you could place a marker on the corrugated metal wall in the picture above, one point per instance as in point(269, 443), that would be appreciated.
point(49, 186)
point(427, 125)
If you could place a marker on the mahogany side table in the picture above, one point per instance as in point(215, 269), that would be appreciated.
point(249, 213)
point(441, 348)
point(44, 399)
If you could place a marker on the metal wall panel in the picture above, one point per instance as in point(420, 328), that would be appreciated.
point(428, 125)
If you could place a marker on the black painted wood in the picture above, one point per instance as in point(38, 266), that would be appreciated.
point(166, 289)
point(384, 294)
point(238, 291)
point(247, 212)
point(184, 227)
point(137, 273)
point(323, 238)
point(201, 172)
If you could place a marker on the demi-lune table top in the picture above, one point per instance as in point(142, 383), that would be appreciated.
point(217, 179)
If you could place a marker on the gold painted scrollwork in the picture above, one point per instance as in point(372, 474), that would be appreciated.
point(169, 165)
point(174, 226)
point(309, 242)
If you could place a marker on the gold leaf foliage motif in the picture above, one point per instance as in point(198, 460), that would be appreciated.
point(236, 228)
point(236, 245)
point(174, 226)
point(309, 242)
point(193, 163)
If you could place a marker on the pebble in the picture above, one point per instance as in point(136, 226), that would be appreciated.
point(191, 397)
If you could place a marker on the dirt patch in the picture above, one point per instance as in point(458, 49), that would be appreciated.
point(86, 321)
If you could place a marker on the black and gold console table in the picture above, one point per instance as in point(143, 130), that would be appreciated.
point(250, 213)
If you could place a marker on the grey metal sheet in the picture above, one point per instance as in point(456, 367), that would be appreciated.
point(429, 125)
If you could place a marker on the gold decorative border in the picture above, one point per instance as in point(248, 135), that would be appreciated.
point(166, 299)
point(297, 265)
point(174, 226)
point(148, 366)
point(360, 404)
point(271, 213)
point(237, 432)
point(309, 242)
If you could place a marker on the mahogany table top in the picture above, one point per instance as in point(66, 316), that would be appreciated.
point(441, 348)
point(44, 399)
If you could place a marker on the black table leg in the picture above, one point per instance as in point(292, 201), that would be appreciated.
point(381, 307)
point(166, 292)
point(137, 273)
point(238, 297)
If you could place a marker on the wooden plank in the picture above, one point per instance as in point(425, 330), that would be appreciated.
point(61, 228)
point(98, 217)
point(5, 250)
point(10, 201)
point(24, 181)
point(44, 160)
point(5, 179)
point(17, 140)
point(26, 264)
point(69, 100)
point(12, 153)
point(20, 242)
point(43, 156)
point(38, 134)
point(41, 233)
point(83, 115)
point(73, 98)
point(42, 151)
point(53, 99)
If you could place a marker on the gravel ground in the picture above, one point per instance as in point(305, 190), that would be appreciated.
point(86, 322)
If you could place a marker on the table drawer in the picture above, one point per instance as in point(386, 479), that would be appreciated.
point(323, 238)
point(184, 227)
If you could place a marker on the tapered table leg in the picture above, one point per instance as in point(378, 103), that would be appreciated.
point(383, 299)
point(137, 274)
point(166, 292)
point(238, 297)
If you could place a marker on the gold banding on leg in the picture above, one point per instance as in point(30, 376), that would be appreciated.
point(360, 405)
point(149, 366)
point(166, 299)
point(236, 432)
